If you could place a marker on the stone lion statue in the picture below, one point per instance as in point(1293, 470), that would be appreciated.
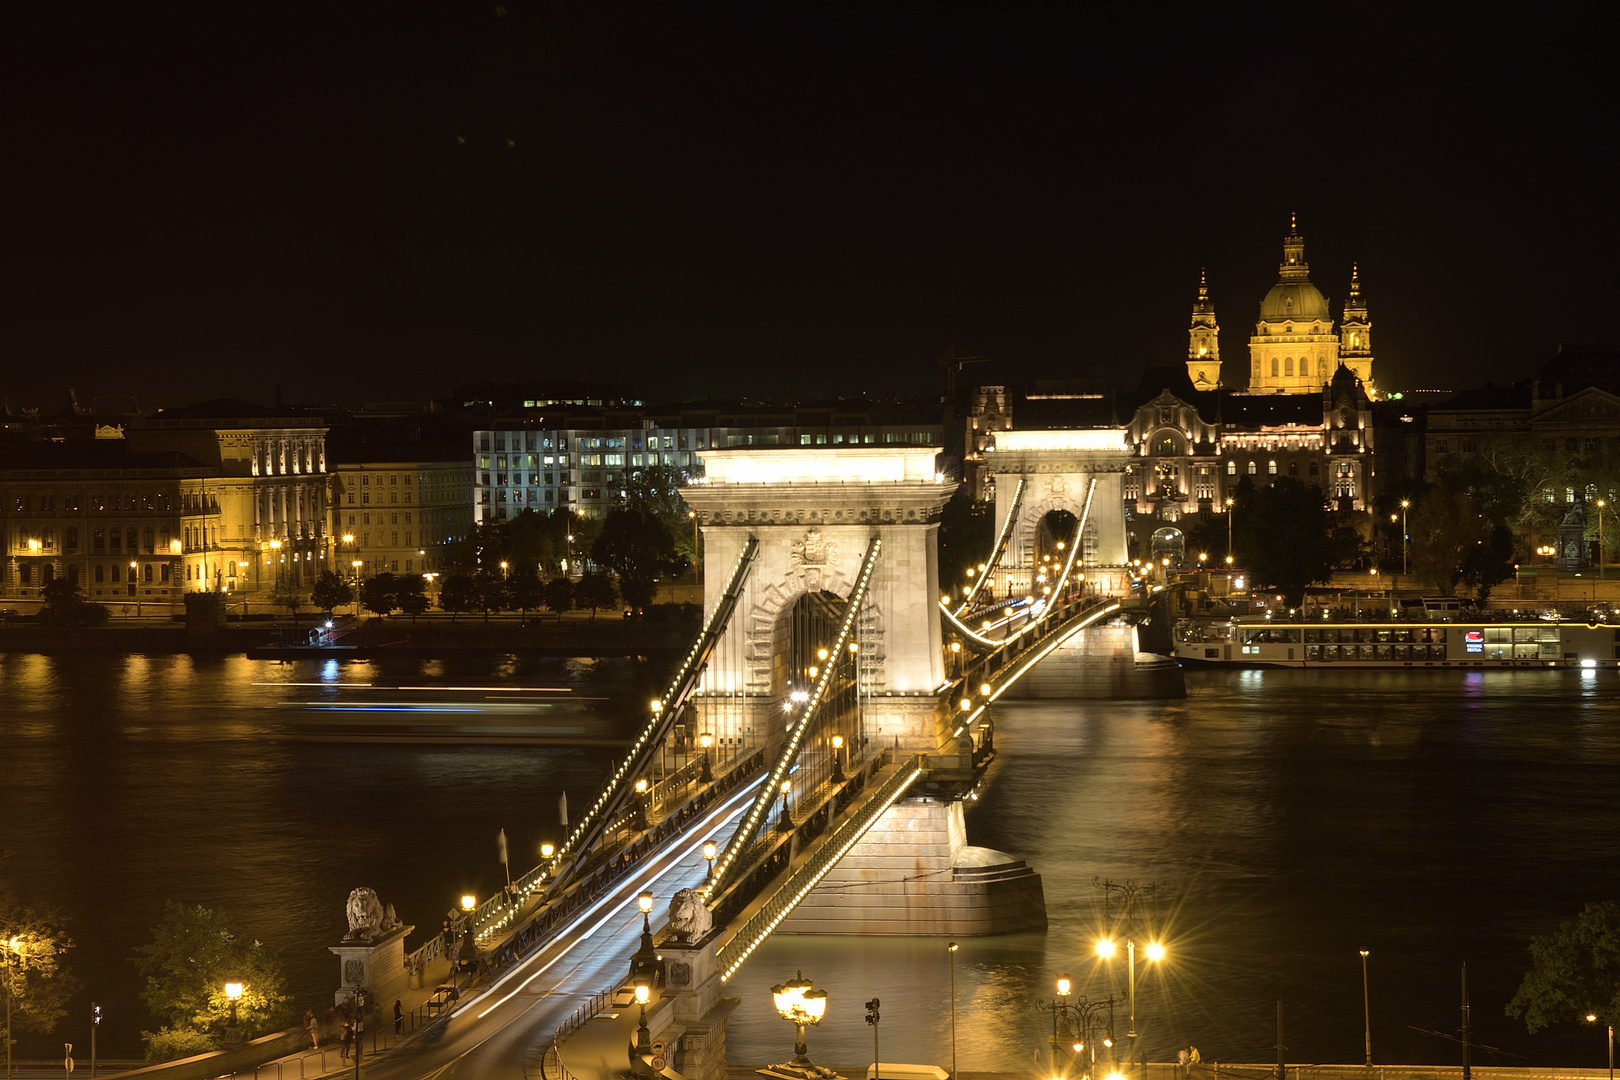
point(689, 919)
point(365, 913)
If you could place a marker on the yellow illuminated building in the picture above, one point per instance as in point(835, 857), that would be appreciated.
point(1296, 348)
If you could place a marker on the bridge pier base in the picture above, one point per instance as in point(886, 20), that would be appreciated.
point(696, 1020)
point(914, 875)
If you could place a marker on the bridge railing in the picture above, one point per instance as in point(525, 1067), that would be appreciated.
point(595, 880)
point(734, 951)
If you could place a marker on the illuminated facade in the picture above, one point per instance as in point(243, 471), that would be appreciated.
point(269, 482)
point(1295, 348)
point(122, 527)
point(400, 514)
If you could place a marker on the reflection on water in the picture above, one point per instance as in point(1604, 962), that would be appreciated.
point(135, 780)
point(1291, 817)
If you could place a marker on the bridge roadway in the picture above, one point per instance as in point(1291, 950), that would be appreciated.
point(501, 1031)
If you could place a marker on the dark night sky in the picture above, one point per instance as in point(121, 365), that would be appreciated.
point(375, 205)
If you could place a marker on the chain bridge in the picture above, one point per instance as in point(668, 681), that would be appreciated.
point(821, 735)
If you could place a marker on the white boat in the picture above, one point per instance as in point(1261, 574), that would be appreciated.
point(1480, 644)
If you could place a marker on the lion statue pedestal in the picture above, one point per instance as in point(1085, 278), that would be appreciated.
point(371, 955)
point(692, 986)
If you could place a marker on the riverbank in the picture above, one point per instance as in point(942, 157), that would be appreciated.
point(574, 634)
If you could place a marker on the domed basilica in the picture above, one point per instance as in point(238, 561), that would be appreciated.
point(1295, 348)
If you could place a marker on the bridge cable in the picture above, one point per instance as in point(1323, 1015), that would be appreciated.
point(998, 550)
point(594, 822)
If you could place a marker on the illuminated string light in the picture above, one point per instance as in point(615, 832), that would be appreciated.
point(744, 836)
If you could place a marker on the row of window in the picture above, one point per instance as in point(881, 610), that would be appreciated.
point(365, 497)
point(51, 502)
point(1284, 366)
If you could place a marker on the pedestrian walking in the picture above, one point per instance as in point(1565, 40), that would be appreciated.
point(312, 1028)
point(348, 1039)
point(399, 1015)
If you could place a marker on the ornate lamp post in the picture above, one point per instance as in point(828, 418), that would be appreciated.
point(838, 757)
point(643, 1046)
point(801, 1006)
point(645, 962)
point(706, 741)
point(233, 1032)
point(1078, 1020)
point(710, 850)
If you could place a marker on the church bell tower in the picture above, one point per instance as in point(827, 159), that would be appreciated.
point(1355, 333)
point(1204, 341)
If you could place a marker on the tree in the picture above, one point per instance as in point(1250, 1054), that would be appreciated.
point(656, 490)
point(525, 592)
point(594, 591)
point(285, 594)
point(410, 594)
point(66, 606)
point(1576, 971)
point(489, 592)
point(637, 547)
point(1282, 533)
point(34, 981)
point(456, 595)
point(377, 594)
point(558, 595)
point(191, 955)
point(330, 592)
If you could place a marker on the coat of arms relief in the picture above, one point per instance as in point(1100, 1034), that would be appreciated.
point(811, 556)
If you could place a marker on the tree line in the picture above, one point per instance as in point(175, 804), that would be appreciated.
point(534, 561)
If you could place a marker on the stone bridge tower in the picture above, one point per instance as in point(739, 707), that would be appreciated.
point(814, 512)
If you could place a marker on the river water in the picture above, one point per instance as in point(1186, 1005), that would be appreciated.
point(1289, 819)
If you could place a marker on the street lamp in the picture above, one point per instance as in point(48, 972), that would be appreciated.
point(13, 958)
point(135, 587)
point(1154, 952)
point(1591, 1018)
point(643, 1036)
point(800, 1006)
point(1600, 505)
point(233, 1033)
point(706, 741)
point(1230, 502)
point(710, 850)
point(1366, 1010)
point(1078, 1020)
point(951, 948)
point(645, 961)
point(838, 757)
point(1405, 504)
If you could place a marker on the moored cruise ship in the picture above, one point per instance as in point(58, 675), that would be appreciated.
point(1398, 644)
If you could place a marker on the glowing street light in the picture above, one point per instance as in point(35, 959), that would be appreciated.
point(710, 850)
point(233, 1032)
point(801, 1006)
point(1591, 1018)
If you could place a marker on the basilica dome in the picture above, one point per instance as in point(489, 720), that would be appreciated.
point(1294, 301)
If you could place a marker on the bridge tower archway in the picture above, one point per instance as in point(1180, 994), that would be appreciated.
point(1043, 480)
point(815, 513)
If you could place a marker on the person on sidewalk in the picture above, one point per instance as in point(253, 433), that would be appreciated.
point(313, 1028)
point(399, 1015)
point(348, 1039)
